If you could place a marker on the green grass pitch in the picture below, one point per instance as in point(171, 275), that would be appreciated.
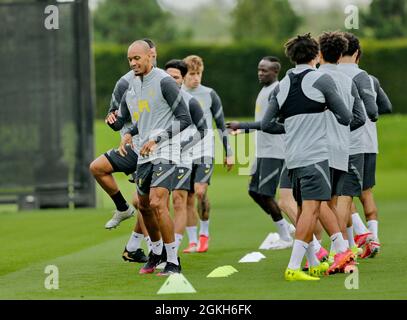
point(89, 261)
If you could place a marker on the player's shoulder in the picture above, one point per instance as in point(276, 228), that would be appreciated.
point(341, 77)
point(206, 89)
point(125, 80)
point(362, 73)
point(270, 89)
point(358, 73)
point(185, 94)
point(315, 75)
point(375, 79)
point(160, 73)
point(128, 76)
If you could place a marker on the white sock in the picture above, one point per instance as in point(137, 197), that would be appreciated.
point(171, 252)
point(299, 250)
point(339, 244)
point(283, 232)
point(157, 247)
point(351, 240)
point(149, 244)
point(204, 228)
point(332, 249)
point(358, 224)
point(316, 244)
point(311, 257)
point(134, 242)
point(178, 239)
point(373, 225)
point(291, 229)
point(192, 234)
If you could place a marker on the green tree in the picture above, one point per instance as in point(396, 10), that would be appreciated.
point(264, 19)
point(122, 21)
point(385, 19)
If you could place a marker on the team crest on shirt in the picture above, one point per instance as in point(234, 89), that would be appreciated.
point(143, 105)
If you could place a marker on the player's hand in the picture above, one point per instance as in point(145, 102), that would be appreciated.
point(111, 117)
point(229, 162)
point(148, 148)
point(235, 132)
point(233, 127)
point(127, 141)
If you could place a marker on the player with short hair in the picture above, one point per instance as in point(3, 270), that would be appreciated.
point(110, 162)
point(344, 176)
point(300, 101)
point(368, 142)
point(270, 154)
point(161, 113)
point(372, 247)
point(182, 183)
point(203, 154)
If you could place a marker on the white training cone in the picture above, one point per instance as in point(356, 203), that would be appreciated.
point(269, 241)
point(252, 257)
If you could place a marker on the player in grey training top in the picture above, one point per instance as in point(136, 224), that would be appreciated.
point(368, 143)
point(300, 101)
point(270, 154)
point(203, 153)
point(332, 45)
point(156, 102)
point(182, 182)
point(190, 136)
point(122, 85)
point(110, 162)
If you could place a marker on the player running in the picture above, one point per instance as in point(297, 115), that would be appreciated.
point(156, 102)
point(344, 179)
point(300, 101)
point(110, 162)
point(203, 154)
point(270, 154)
point(368, 142)
point(182, 182)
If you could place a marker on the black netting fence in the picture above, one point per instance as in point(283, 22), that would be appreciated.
point(46, 105)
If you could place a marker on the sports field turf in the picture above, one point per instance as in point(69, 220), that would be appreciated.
point(89, 257)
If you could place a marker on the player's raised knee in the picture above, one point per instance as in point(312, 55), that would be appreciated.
point(94, 167)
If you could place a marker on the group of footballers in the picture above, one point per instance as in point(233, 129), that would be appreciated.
point(164, 117)
point(316, 139)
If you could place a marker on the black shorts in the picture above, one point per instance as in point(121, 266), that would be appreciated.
point(202, 170)
point(127, 164)
point(154, 174)
point(369, 171)
point(266, 176)
point(336, 178)
point(351, 182)
point(311, 182)
point(285, 182)
point(181, 179)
